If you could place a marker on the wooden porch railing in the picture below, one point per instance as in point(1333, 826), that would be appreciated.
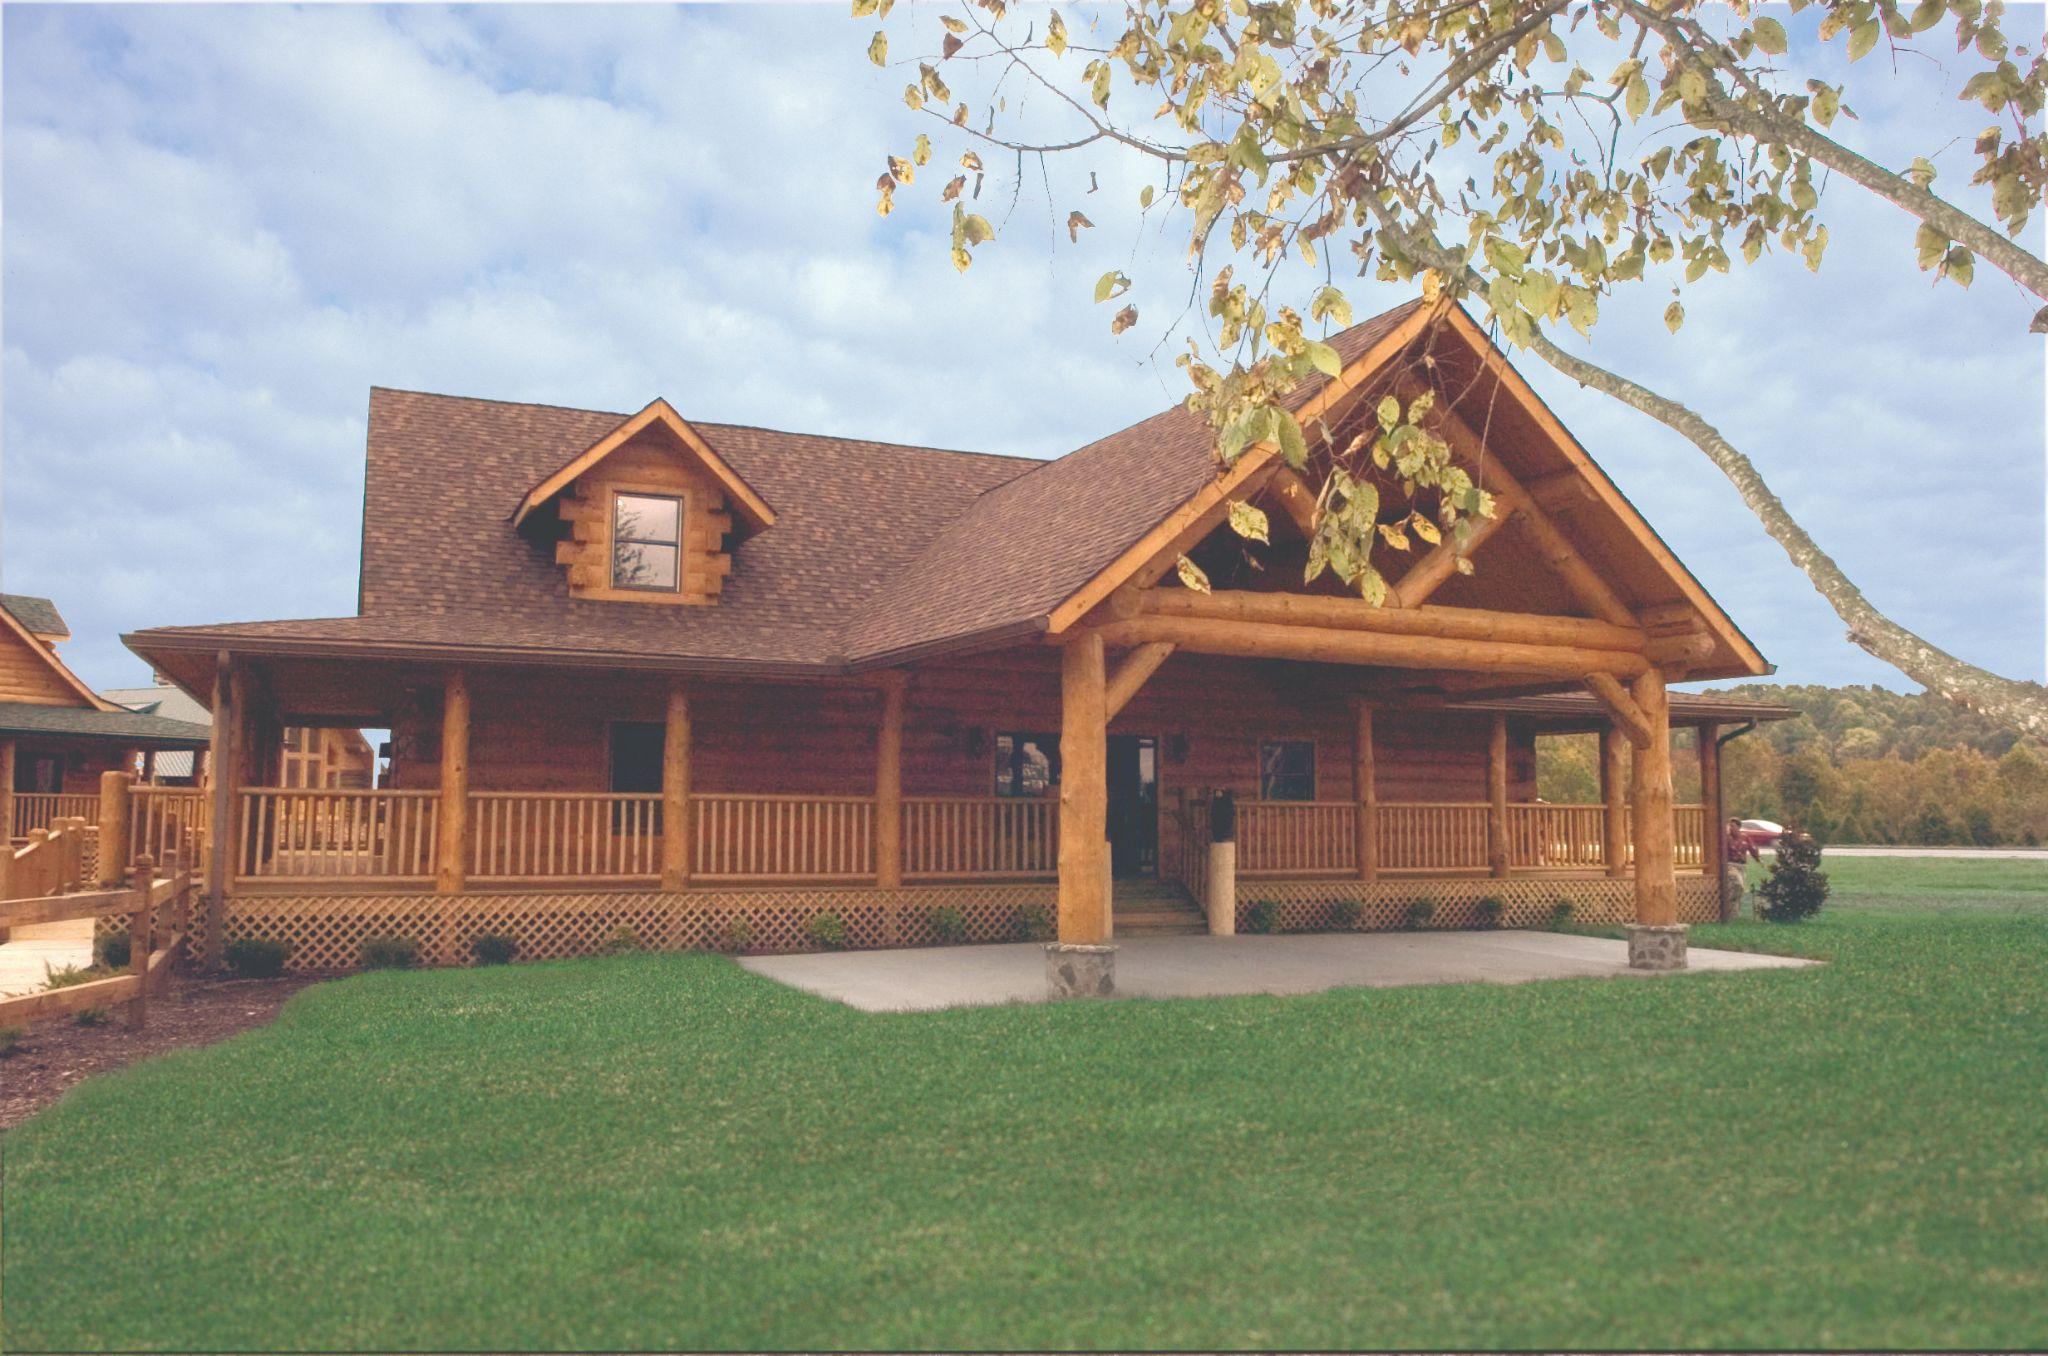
point(38, 809)
point(160, 816)
point(1557, 837)
point(564, 835)
point(782, 838)
point(158, 907)
point(52, 861)
point(971, 837)
point(1429, 836)
point(322, 834)
point(1296, 838)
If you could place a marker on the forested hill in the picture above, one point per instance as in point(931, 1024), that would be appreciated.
point(1871, 722)
point(1857, 765)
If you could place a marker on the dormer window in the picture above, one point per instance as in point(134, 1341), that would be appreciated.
point(647, 542)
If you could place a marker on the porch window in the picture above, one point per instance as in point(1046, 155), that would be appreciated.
point(1027, 763)
point(647, 541)
point(636, 747)
point(1287, 769)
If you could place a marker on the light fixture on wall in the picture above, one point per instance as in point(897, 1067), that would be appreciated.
point(1177, 748)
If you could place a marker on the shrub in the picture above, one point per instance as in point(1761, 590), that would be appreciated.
point(1344, 913)
point(493, 949)
point(112, 951)
point(1262, 915)
point(10, 1039)
point(65, 976)
point(256, 958)
point(1034, 923)
point(1420, 912)
point(1796, 886)
point(828, 930)
point(1489, 910)
point(738, 933)
point(949, 924)
point(91, 1017)
point(624, 938)
point(390, 953)
point(1561, 913)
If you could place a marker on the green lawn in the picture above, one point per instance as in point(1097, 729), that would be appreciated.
point(665, 1151)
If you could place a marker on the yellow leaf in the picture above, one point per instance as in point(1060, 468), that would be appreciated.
point(1394, 536)
point(1249, 522)
point(1425, 529)
point(878, 48)
point(1191, 575)
point(1056, 34)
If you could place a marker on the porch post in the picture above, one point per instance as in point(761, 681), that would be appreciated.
point(113, 854)
point(1365, 789)
point(1613, 796)
point(452, 870)
point(1713, 843)
point(222, 763)
point(6, 798)
point(148, 766)
point(1656, 939)
point(889, 782)
point(1497, 797)
point(1081, 962)
point(675, 792)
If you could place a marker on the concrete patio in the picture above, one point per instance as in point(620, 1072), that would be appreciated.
point(1215, 967)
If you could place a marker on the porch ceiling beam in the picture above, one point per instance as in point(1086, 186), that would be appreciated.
point(1436, 567)
point(1131, 674)
point(1355, 614)
point(1297, 498)
point(1620, 707)
point(1327, 645)
point(1585, 582)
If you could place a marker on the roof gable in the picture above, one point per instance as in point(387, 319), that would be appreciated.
point(39, 616)
point(659, 414)
point(31, 672)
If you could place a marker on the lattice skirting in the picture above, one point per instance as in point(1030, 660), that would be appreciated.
point(327, 932)
point(1305, 904)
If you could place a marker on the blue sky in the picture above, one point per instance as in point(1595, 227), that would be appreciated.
point(222, 226)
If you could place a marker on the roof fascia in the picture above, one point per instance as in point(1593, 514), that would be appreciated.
point(1607, 493)
point(1255, 459)
point(57, 666)
point(749, 504)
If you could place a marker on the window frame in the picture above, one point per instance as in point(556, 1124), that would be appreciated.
point(680, 499)
point(1048, 741)
point(1314, 768)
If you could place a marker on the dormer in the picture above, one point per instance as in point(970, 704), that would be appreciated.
point(648, 514)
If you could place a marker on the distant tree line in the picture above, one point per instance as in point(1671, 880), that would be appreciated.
point(1857, 765)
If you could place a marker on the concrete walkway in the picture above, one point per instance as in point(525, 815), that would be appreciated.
point(35, 945)
point(1954, 854)
point(1214, 967)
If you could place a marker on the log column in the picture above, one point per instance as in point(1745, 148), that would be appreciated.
point(1497, 797)
point(1656, 939)
point(223, 763)
point(1614, 799)
point(675, 792)
point(114, 808)
point(889, 782)
point(1365, 789)
point(6, 815)
point(1713, 825)
point(1081, 962)
point(452, 869)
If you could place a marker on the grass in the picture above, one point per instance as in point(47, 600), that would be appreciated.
point(645, 1151)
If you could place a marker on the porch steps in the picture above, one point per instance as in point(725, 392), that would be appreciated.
point(1148, 908)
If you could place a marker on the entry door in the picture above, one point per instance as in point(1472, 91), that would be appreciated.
point(1133, 805)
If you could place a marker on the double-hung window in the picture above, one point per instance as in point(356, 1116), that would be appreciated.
point(1287, 769)
point(647, 542)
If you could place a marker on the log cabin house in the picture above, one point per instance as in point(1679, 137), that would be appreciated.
point(57, 736)
point(704, 682)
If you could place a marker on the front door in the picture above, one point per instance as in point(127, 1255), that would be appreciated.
point(1133, 806)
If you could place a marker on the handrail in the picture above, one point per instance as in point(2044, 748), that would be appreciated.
point(39, 809)
point(748, 836)
point(970, 837)
point(294, 833)
point(1296, 837)
point(578, 835)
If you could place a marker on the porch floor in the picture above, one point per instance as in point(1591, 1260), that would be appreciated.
point(928, 979)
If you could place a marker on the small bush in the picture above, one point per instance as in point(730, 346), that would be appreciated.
point(256, 958)
point(390, 953)
point(1262, 915)
point(828, 930)
point(66, 976)
point(1561, 913)
point(624, 938)
point(1344, 913)
point(1034, 923)
point(949, 924)
point(10, 1039)
point(91, 1017)
point(1489, 910)
point(112, 951)
point(738, 934)
point(1420, 912)
point(493, 949)
point(1796, 887)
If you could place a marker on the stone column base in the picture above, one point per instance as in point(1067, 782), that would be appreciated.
point(1656, 946)
point(1076, 971)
